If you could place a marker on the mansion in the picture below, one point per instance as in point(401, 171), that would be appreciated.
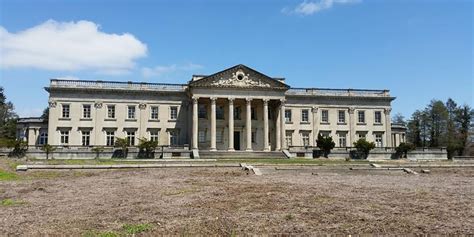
point(235, 109)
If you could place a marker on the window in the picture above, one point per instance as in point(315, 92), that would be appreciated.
point(202, 112)
point(173, 112)
point(220, 136)
point(64, 137)
point(378, 140)
point(378, 117)
point(237, 113)
point(111, 111)
point(361, 116)
point(202, 136)
point(43, 138)
point(288, 138)
point(131, 112)
point(131, 138)
point(220, 112)
point(86, 111)
point(154, 135)
point(341, 116)
point(253, 113)
point(110, 138)
point(65, 111)
point(304, 115)
point(254, 137)
point(361, 135)
point(174, 137)
point(325, 133)
point(154, 113)
point(324, 116)
point(86, 138)
point(288, 116)
point(342, 139)
point(305, 138)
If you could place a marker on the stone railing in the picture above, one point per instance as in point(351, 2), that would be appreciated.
point(337, 92)
point(60, 83)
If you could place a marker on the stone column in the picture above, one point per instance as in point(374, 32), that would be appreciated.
point(231, 124)
point(248, 126)
point(213, 124)
point(195, 123)
point(352, 127)
point(388, 127)
point(278, 132)
point(265, 125)
point(283, 122)
point(314, 111)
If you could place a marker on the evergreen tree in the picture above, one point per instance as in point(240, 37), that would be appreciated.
point(8, 117)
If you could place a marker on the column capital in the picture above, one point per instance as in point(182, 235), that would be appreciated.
point(387, 110)
point(195, 99)
point(282, 101)
point(142, 106)
point(248, 100)
point(265, 101)
point(314, 109)
point(231, 99)
point(351, 110)
point(213, 100)
point(98, 105)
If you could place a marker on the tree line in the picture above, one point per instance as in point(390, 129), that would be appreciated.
point(439, 124)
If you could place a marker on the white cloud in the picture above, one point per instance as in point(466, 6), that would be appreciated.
point(312, 7)
point(161, 70)
point(70, 46)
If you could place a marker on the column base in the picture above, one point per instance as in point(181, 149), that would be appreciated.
point(248, 149)
point(213, 149)
point(266, 149)
point(231, 149)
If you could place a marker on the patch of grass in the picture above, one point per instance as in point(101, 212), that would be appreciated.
point(179, 192)
point(296, 161)
point(289, 217)
point(11, 202)
point(7, 176)
point(323, 199)
point(136, 228)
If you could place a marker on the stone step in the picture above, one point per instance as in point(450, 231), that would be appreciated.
point(241, 154)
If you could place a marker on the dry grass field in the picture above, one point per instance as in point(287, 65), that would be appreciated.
point(229, 201)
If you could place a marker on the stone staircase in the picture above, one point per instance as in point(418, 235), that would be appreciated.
point(203, 154)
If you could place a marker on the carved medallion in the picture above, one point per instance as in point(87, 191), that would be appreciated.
point(239, 79)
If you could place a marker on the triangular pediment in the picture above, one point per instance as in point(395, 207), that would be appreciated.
point(241, 77)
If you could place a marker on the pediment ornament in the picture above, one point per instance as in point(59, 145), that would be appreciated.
point(239, 79)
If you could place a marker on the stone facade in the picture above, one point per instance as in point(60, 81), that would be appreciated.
point(235, 109)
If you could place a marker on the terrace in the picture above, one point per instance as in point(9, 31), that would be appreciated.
point(116, 85)
point(337, 92)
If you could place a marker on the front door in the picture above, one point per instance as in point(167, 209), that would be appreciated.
point(237, 141)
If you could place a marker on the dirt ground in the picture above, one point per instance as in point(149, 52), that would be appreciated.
point(228, 201)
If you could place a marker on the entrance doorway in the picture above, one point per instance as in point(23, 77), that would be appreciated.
point(237, 141)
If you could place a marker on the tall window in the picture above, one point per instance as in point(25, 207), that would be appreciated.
point(86, 138)
point(154, 135)
point(237, 113)
point(253, 113)
point(289, 138)
point(342, 116)
point(86, 111)
point(154, 113)
point(220, 136)
point(43, 139)
point(110, 138)
point(174, 137)
point(378, 140)
point(288, 115)
point(202, 136)
point(378, 117)
point(202, 112)
point(342, 139)
point(304, 115)
point(65, 113)
point(131, 112)
point(131, 138)
point(173, 112)
point(305, 138)
point(324, 116)
point(220, 112)
point(254, 136)
point(361, 116)
point(64, 137)
point(111, 111)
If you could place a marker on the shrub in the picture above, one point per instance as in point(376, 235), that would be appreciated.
point(19, 148)
point(363, 147)
point(98, 150)
point(121, 143)
point(48, 149)
point(137, 228)
point(326, 144)
point(402, 150)
point(146, 148)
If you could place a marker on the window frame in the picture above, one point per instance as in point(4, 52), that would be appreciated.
point(220, 113)
point(288, 116)
point(344, 138)
point(202, 111)
point(378, 143)
point(341, 117)
point(89, 112)
point(64, 137)
point(154, 135)
point(131, 110)
point(379, 117)
point(65, 111)
point(154, 112)
point(110, 138)
point(305, 115)
point(86, 138)
point(131, 137)
point(325, 119)
point(359, 113)
point(173, 112)
point(305, 138)
point(111, 111)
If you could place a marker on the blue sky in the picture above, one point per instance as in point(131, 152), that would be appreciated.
point(419, 49)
